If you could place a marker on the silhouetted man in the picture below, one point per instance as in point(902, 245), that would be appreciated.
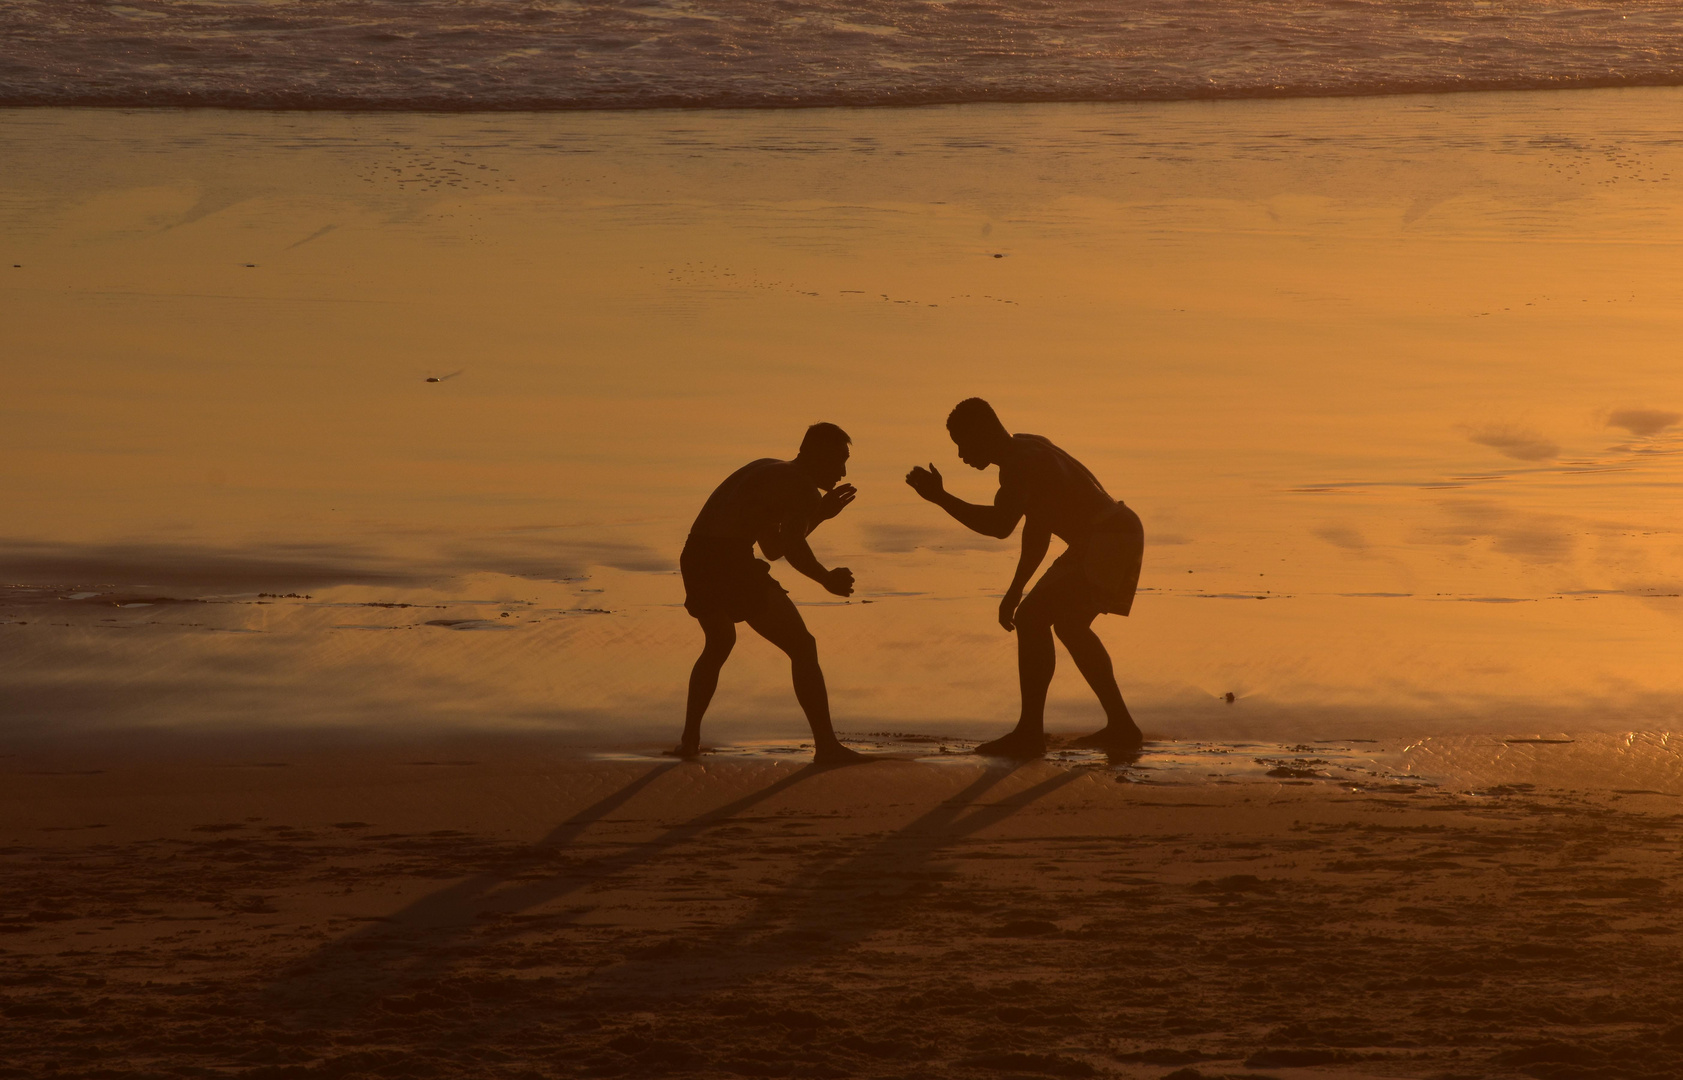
point(775, 503)
point(1098, 573)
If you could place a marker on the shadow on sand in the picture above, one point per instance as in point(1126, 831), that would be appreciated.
point(445, 918)
point(830, 904)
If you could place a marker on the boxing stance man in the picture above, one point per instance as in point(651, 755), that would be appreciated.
point(775, 504)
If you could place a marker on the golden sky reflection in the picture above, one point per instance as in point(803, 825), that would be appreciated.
point(1405, 368)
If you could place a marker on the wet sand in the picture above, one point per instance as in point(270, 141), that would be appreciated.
point(1392, 383)
point(500, 908)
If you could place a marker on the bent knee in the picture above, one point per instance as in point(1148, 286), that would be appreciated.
point(1068, 629)
point(1033, 616)
point(720, 641)
point(802, 646)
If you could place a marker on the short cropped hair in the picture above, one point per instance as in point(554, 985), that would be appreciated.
point(973, 416)
point(821, 437)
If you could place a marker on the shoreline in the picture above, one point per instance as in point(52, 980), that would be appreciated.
point(750, 108)
point(1592, 764)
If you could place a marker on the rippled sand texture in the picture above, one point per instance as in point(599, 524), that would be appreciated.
point(514, 914)
point(548, 54)
point(1392, 383)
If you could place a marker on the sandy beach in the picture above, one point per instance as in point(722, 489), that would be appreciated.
point(349, 457)
point(505, 908)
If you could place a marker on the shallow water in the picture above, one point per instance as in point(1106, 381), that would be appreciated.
point(1360, 765)
point(562, 54)
point(1642, 766)
point(1392, 384)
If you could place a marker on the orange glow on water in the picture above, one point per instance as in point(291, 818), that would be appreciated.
point(1397, 405)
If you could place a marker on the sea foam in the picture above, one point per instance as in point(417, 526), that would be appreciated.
point(429, 55)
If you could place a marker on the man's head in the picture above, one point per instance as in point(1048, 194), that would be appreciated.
point(824, 454)
point(982, 440)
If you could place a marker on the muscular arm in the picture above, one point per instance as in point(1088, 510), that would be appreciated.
point(800, 556)
point(996, 520)
point(1036, 539)
point(774, 543)
point(789, 541)
point(781, 542)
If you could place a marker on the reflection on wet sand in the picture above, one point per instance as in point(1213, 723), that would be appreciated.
point(603, 661)
point(1396, 393)
point(1158, 762)
point(1469, 765)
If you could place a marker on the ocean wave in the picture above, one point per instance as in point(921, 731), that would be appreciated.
point(442, 55)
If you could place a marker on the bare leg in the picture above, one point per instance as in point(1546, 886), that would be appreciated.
point(1090, 656)
point(781, 624)
point(704, 679)
point(1037, 658)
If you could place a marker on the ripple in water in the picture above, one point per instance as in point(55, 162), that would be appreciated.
point(576, 54)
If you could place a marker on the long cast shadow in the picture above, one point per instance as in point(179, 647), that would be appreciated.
point(451, 914)
point(835, 906)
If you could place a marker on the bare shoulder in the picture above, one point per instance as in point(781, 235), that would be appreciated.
point(1033, 446)
point(764, 474)
point(781, 483)
point(1035, 454)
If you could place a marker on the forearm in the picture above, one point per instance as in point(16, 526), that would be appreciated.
point(987, 520)
point(1035, 543)
point(800, 556)
point(775, 544)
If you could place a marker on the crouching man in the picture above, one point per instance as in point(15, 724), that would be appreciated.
point(1097, 573)
point(775, 504)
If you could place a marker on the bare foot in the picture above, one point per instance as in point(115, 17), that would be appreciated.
point(1019, 745)
point(687, 753)
point(838, 754)
point(1121, 744)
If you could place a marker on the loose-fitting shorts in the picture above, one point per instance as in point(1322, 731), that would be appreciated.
point(723, 579)
point(1101, 568)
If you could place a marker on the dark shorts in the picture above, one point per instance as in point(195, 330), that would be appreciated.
point(1101, 569)
point(723, 579)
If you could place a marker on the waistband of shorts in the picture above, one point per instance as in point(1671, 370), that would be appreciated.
point(1106, 520)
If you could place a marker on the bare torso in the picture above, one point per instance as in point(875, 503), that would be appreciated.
point(754, 500)
point(1050, 488)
